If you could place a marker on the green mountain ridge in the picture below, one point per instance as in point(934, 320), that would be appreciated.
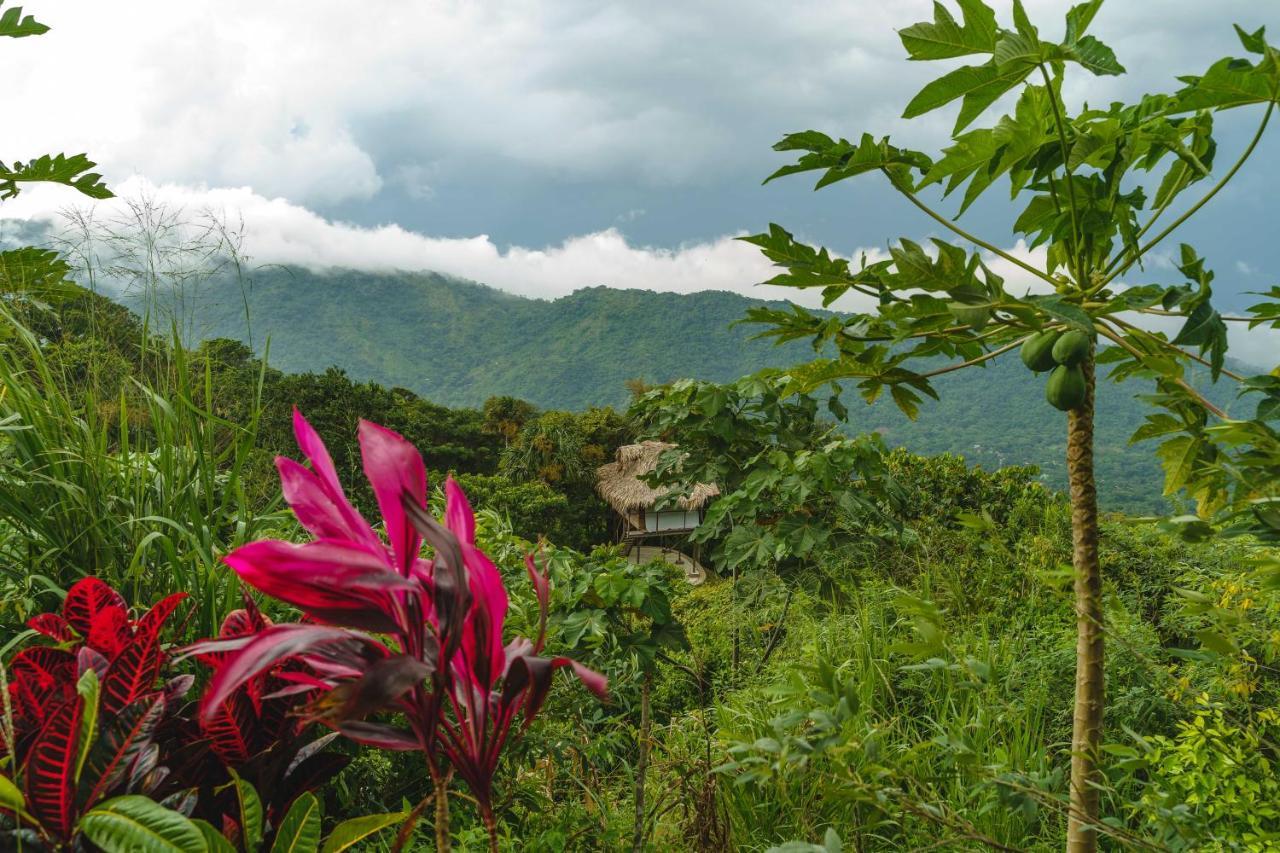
point(458, 343)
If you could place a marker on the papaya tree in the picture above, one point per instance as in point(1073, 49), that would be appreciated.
point(1096, 186)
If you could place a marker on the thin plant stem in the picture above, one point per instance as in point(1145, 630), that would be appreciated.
point(1071, 189)
point(977, 241)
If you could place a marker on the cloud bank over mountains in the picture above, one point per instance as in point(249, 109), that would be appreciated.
point(540, 146)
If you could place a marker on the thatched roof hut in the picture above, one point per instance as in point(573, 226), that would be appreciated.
point(620, 485)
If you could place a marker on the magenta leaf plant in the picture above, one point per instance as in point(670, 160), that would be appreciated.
point(387, 630)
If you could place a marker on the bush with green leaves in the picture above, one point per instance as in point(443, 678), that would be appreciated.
point(1213, 785)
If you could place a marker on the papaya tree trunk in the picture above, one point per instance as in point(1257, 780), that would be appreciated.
point(642, 765)
point(1086, 734)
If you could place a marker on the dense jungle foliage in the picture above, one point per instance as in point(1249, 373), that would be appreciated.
point(243, 609)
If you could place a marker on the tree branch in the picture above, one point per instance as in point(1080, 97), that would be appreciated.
point(951, 368)
point(1181, 383)
point(1226, 317)
point(1174, 347)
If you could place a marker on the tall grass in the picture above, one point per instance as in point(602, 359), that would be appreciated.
point(144, 490)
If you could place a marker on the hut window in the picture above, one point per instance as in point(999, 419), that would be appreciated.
point(670, 520)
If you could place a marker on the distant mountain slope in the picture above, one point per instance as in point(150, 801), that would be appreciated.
point(458, 343)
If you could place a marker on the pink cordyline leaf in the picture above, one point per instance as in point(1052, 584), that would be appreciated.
point(326, 488)
point(446, 614)
point(395, 469)
point(458, 516)
point(268, 648)
point(542, 589)
point(341, 583)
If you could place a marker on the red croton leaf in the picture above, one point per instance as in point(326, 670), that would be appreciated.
point(48, 778)
point(86, 598)
point(230, 729)
point(109, 631)
point(43, 676)
point(52, 626)
point(121, 740)
point(135, 670)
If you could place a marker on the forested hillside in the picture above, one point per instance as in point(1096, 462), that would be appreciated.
point(456, 342)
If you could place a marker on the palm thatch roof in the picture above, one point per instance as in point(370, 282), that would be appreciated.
point(619, 483)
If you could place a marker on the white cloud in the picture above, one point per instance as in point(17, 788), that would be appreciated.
point(278, 231)
point(321, 102)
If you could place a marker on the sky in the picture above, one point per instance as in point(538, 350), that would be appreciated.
point(545, 145)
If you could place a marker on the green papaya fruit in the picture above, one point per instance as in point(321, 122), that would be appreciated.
point(1065, 388)
point(1072, 347)
point(1037, 351)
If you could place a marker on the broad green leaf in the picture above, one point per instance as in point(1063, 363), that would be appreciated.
point(71, 171)
point(915, 269)
point(1094, 56)
point(300, 830)
point(14, 25)
point(215, 841)
point(1018, 50)
point(1206, 329)
point(1023, 23)
point(1217, 642)
point(1079, 18)
point(10, 796)
point(980, 86)
point(35, 273)
point(1178, 456)
point(351, 832)
point(87, 687)
point(842, 159)
point(1066, 312)
point(946, 39)
point(250, 811)
point(1228, 83)
point(136, 824)
point(907, 400)
point(1254, 42)
point(1156, 425)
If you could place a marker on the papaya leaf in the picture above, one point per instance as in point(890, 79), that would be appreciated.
point(70, 171)
point(1094, 56)
point(1228, 83)
point(841, 159)
point(943, 38)
point(979, 86)
point(1079, 17)
point(15, 25)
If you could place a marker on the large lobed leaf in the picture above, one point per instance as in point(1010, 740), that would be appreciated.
point(16, 25)
point(70, 171)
